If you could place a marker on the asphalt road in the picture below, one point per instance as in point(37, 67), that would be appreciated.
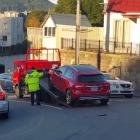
point(117, 121)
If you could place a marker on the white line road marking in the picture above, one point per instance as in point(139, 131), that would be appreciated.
point(44, 105)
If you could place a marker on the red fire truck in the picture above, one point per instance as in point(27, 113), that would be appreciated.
point(44, 58)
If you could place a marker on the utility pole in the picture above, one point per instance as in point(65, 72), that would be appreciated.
point(77, 42)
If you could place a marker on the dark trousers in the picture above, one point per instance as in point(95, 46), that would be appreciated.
point(37, 94)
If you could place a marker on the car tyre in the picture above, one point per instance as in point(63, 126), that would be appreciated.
point(68, 97)
point(104, 102)
point(129, 96)
point(50, 84)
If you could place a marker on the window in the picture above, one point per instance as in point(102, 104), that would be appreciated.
point(45, 31)
point(69, 74)
point(53, 31)
point(63, 69)
point(49, 31)
point(121, 32)
point(4, 38)
point(91, 78)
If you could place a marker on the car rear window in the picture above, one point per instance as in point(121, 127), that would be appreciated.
point(91, 78)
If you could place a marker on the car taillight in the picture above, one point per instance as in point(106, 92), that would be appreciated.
point(106, 86)
point(2, 96)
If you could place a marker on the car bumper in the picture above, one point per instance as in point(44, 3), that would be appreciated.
point(117, 92)
point(93, 98)
point(4, 106)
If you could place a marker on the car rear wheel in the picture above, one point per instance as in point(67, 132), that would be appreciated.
point(104, 101)
point(68, 97)
point(129, 96)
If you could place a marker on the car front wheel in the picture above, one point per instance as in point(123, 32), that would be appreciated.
point(68, 97)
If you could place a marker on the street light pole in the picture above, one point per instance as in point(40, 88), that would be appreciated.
point(77, 42)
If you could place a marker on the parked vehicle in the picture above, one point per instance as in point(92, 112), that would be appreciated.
point(6, 81)
point(120, 87)
point(80, 82)
point(4, 104)
point(44, 58)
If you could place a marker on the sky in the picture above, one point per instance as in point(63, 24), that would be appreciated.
point(53, 1)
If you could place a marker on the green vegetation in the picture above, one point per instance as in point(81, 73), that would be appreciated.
point(66, 6)
point(91, 8)
point(35, 18)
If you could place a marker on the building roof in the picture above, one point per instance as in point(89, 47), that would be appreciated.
point(124, 6)
point(69, 19)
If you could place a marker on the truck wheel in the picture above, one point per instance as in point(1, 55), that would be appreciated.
point(68, 97)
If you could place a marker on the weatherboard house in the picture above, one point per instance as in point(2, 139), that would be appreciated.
point(54, 28)
point(122, 25)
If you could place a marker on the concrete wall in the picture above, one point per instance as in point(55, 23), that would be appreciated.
point(124, 66)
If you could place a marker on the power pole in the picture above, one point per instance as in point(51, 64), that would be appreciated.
point(77, 42)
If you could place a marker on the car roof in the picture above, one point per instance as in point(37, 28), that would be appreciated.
point(85, 69)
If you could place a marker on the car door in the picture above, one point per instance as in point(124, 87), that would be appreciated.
point(66, 80)
point(58, 77)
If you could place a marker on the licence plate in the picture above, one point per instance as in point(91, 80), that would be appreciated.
point(95, 88)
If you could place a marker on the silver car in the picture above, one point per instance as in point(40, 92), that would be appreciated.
point(6, 81)
point(4, 104)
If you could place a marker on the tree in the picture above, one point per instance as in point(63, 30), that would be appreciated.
point(91, 8)
point(66, 6)
point(35, 18)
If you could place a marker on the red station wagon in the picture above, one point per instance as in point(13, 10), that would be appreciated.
point(80, 82)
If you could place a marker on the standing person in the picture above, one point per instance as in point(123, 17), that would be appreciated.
point(32, 81)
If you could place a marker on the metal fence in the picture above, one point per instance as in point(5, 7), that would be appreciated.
point(96, 45)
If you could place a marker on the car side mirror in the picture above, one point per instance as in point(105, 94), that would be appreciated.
point(58, 71)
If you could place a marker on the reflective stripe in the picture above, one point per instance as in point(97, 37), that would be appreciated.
point(32, 80)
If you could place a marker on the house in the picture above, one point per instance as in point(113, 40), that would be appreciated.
point(11, 29)
point(56, 27)
point(122, 25)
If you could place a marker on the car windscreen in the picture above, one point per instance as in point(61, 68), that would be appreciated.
point(91, 78)
point(108, 77)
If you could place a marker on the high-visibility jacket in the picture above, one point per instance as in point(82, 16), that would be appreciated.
point(32, 80)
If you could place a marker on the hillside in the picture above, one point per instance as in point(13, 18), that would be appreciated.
point(21, 5)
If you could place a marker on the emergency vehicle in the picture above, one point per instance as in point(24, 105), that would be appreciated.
point(41, 59)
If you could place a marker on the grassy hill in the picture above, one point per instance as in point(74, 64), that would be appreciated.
point(21, 5)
